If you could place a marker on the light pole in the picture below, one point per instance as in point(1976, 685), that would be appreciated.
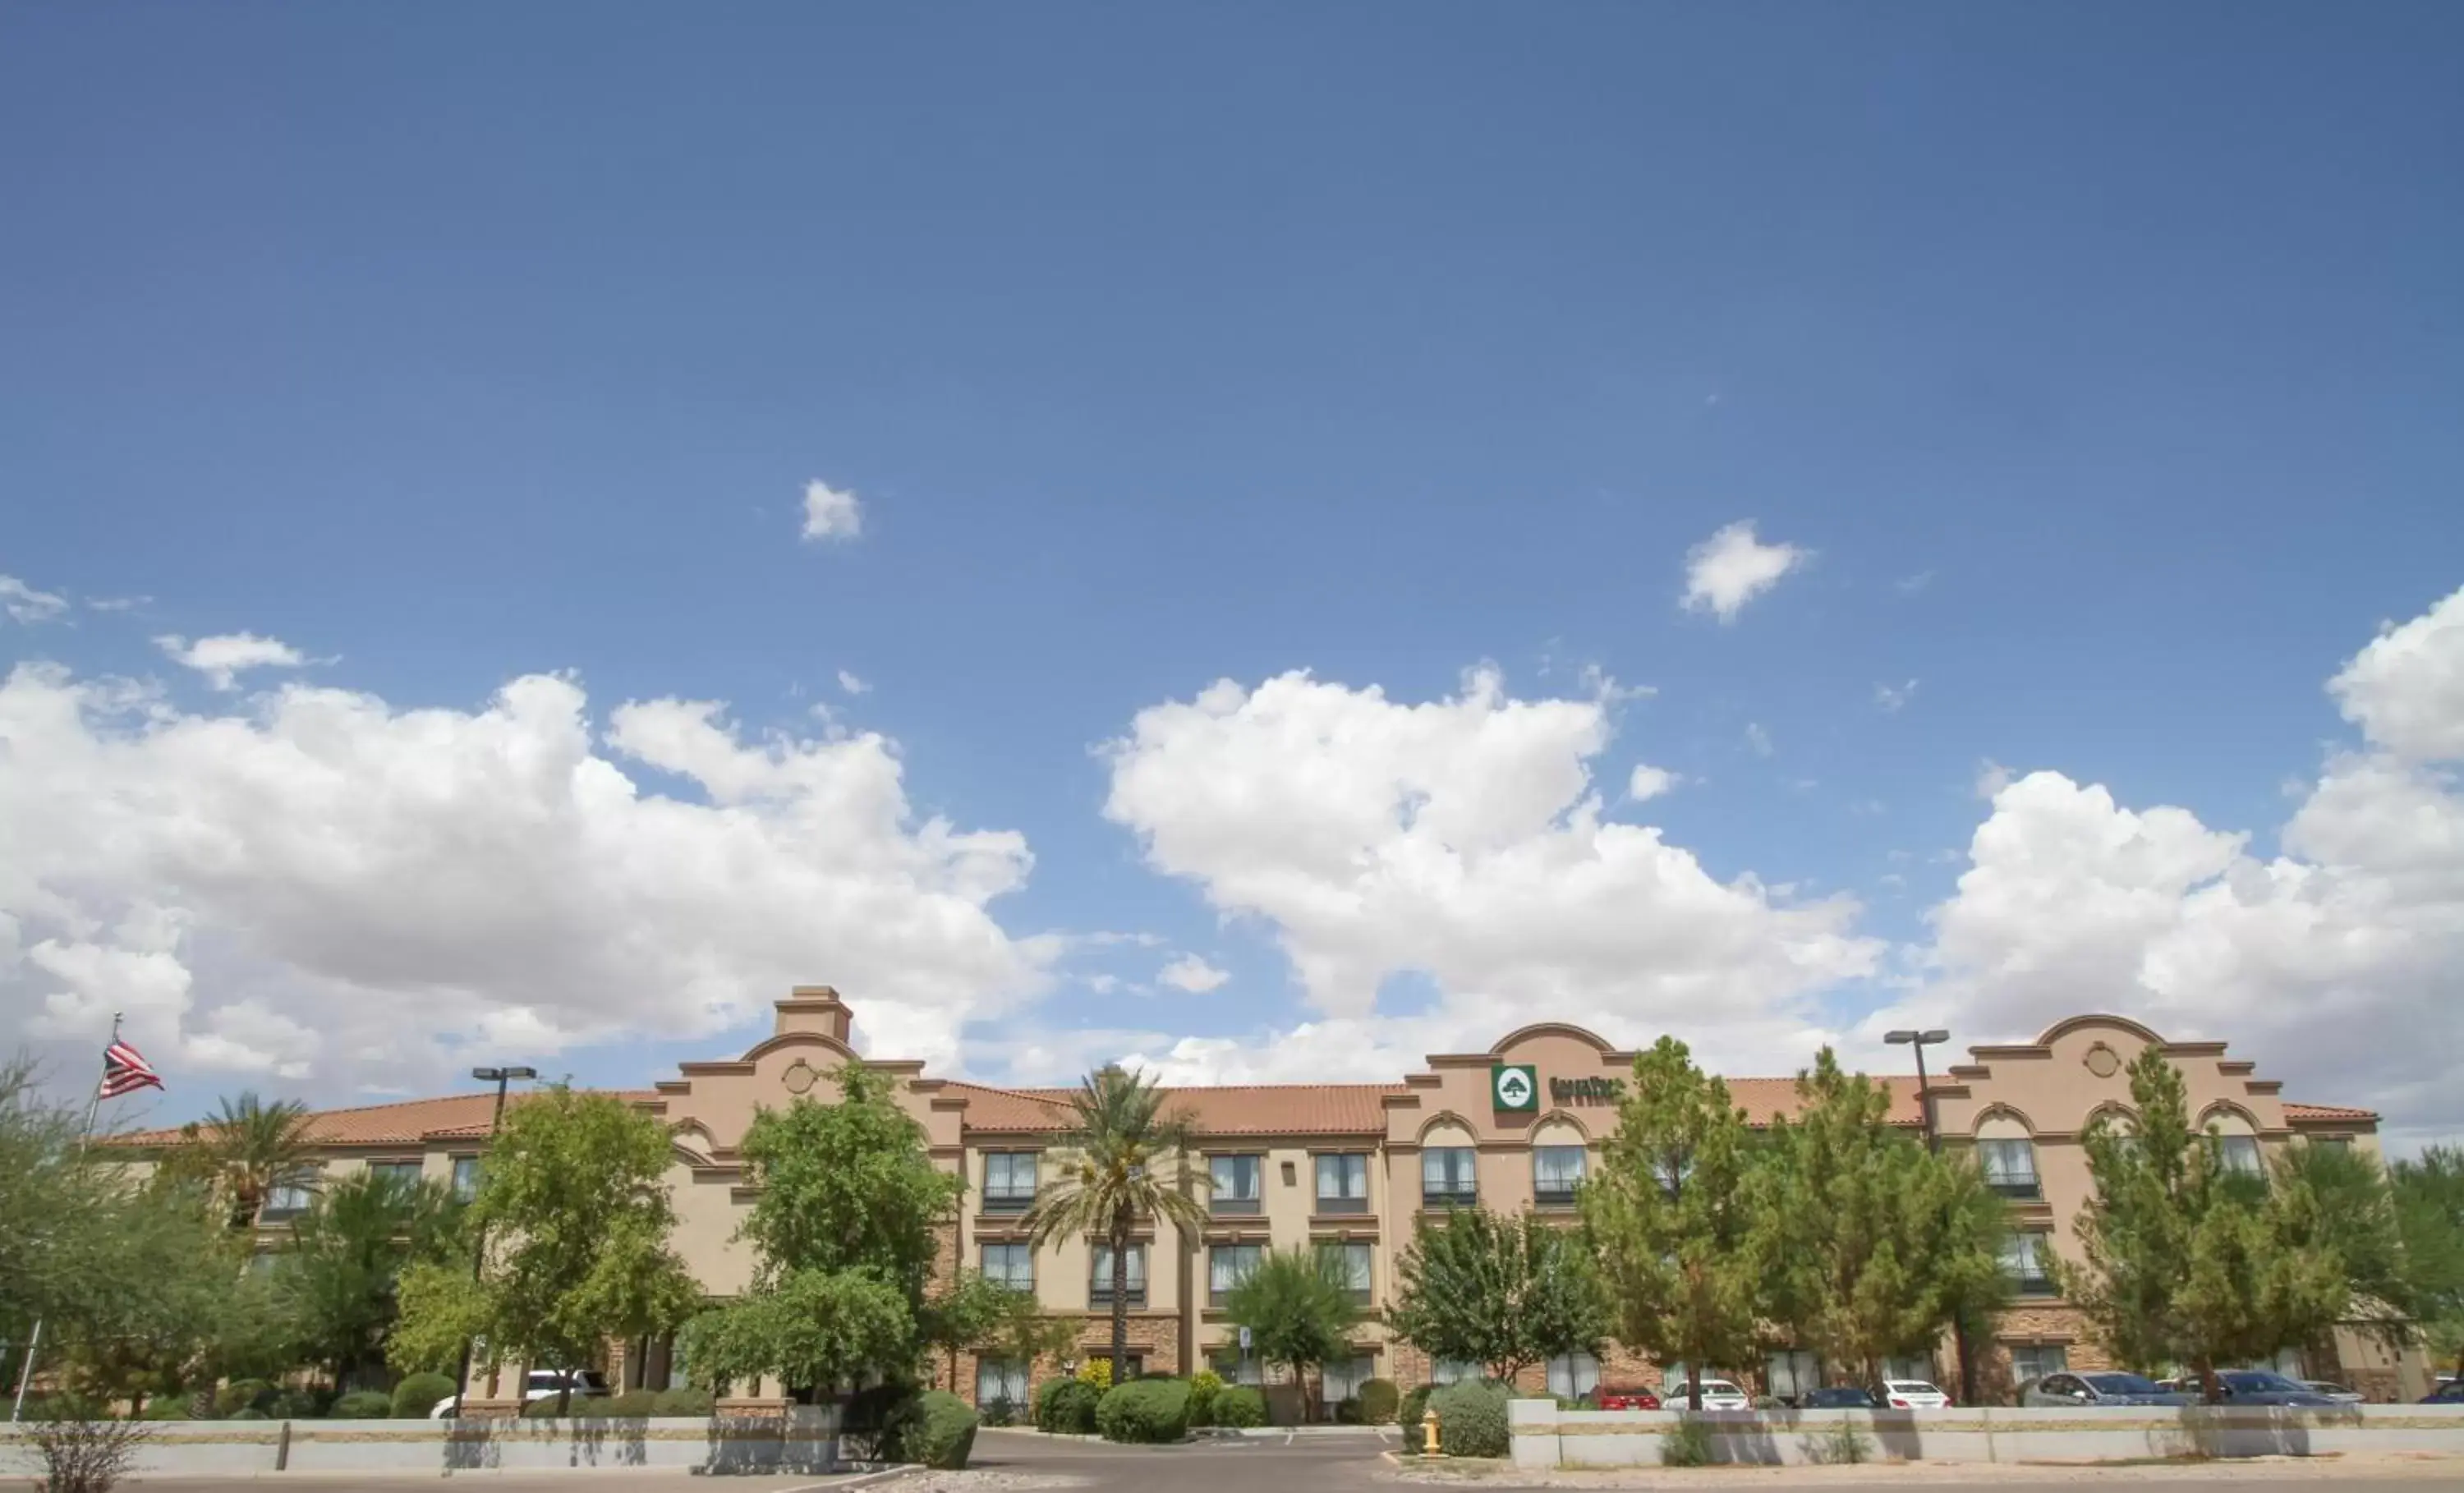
point(500, 1077)
point(1920, 1041)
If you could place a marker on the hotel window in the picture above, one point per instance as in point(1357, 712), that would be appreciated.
point(1792, 1371)
point(1002, 1381)
point(466, 1177)
point(1454, 1370)
point(1557, 1172)
point(1449, 1177)
point(1352, 1261)
point(1235, 1367)
point(2237, 1145)
point(1339, 1379)
point(2034, 1361)
point(1009, 1181)
point(286, 1201)
point(1342, 1183)
point(1099, 1276)
point(1010, 1264)
point(1574, 1376)
point(2008, 1157)
point(1228, 1265)
point(1237, 1179)
point(2023, 1260)
point(401, 1174)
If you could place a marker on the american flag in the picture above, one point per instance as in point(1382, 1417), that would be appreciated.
point(125, 1071)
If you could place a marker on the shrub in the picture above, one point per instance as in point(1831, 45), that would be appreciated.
point(1066, 1407)
point(1843, 1444)
point(80, 1449)
point(999, 1411)
point(1239, 1406)
point(684, 1403)
point(416, 1395)
point(943, 1431)
point(631, 1405)
point(1097, 1372)
point(246, 1413)
point(1686, 1444)
point(878, 1418)
point(1203, 1386)
point(166, 1407)
point(297, 1404)
point(242, 1395)
point(1471, 1419)
point(1408, 1414)
point(1379, 1401)
point(363, 1405)
point(1144, 1409)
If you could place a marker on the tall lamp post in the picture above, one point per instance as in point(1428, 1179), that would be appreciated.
point(1921, 1041)
point(500, 1077)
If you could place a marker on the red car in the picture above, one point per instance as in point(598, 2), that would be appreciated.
point(1609, 1398)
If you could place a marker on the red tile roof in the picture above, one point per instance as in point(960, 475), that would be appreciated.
point(2298, 1112)
point(407, 1122)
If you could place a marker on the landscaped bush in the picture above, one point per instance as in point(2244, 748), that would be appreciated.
point(246, 1413)
point(1097, 1372)
point(1379, 1401)
point(1686, 1444)
point(684, 1403)
point(1144, 1409)
point(299, 1404)
point(877, 1420)
point(1347, 1411)
point(1408, 1414)
point(416, 1395)
point(631, 1405)
point(82, 1449)
point(1471, 1419)
point(242, 1395)
point(1240, 1407)
point(363, 1405)
point(999, 1411)
point(1066, 1407)
point(1203, 1386)
point(943, 1431)
point(166, 1407)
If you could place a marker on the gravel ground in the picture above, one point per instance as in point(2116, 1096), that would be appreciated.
point(981, 1480)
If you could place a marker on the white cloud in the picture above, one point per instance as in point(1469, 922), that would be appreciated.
point(1460, 839)
point(1192, 974)
point(1649, 782)
point(25, 605)
point(1758, 741)
point(333, 887)
point(1732, 567)
point(851, 683)
point(1910, 585)
point(2332, 961)
point(831, 513)
point(1991, 777)
point(223, 659)
point(116, 603)
point(1889, 698)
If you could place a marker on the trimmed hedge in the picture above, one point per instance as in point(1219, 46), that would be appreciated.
point(295, 1404)
point(416, 1395)
point(1203, 1386)
point(363, 1405)
point(583, 1407)
point(162, 1406)
point(1471, 1419)
point(1416, 1403)
point(878, 1419)
point(1239, 1406)
point(943, 1431)
point(685, 1402)
point(631, 1405)
point(1144, 1409)
point(242, 1395)
point(1379, 1400)
point(1066, 1406)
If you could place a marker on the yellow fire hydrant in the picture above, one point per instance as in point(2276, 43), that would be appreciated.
point(1429, 1434)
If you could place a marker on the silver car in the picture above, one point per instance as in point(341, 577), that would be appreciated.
point(2100, 1387)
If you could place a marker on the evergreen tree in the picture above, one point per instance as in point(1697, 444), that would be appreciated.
point(2430, 1218)
point(339, 1275)
point(1298, 1307)
point(1503, 1293)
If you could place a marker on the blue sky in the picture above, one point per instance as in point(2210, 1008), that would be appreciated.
point(2101, 362)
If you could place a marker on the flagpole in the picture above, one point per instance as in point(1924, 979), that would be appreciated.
point(34, 1339)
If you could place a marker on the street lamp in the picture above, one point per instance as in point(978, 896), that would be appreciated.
point(1921, 1041)
point(500, 1077)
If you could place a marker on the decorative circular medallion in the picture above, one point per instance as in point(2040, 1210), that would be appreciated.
point(801, 1076)
point(2103, 1061)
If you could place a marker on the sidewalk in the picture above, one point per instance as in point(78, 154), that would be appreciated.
point(2391, 1467)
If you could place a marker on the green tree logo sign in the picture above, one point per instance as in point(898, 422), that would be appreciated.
point(1514, 1086)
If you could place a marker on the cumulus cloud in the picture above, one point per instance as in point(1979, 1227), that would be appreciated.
point(223, 659)
point(851, 683)
point(1648, 781)
point(333, 888)
point(1192, 974)
point(1732, 567)
point(2331, 961)
point(1460, 839)
point(27, 605)
point(1890, 698)
point(831, 513)
point(1758, 741)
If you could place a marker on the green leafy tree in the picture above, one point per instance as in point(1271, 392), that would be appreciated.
point(1669, 1219)
point(844, 1232)
point(345, 1260)
point(2428, 1196)
point(1505, 1293)
point(2356, 1219)
point(576, 1208)
point(1298, 1307)
point(2185, 1262)
point(1123, 1156)
point(1868, 1243)
point(967, 1315)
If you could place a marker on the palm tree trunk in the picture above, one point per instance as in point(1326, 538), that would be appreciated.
point(1693, 1384)
point(1120, 1295)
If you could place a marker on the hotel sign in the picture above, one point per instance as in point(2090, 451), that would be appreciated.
point(1514, 1087)
point(1587, 1090)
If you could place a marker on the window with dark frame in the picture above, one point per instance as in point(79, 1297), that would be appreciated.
point(1236, 1183)
point(1449, 1177)
point(1009, 1181)
point(1342, 1182)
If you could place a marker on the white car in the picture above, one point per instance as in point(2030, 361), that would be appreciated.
point(2335, 1391)
point(1717, 1394)
point(542, 1384)
point(1913, 1394)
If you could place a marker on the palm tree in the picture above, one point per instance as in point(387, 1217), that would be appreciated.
point(255, 1147)
point(1124, 1157)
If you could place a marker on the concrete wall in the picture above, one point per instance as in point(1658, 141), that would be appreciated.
point(1547, 1436)
point(805, 1441)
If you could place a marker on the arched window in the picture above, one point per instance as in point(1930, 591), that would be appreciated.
point(1449, 1168)
point(1559, 1160)
point(2008, 1154)
point(2236, 1143)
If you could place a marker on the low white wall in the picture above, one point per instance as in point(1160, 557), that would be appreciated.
point(806, 1442)
point(1547, 1436)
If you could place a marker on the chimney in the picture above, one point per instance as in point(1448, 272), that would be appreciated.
point(815, 1008)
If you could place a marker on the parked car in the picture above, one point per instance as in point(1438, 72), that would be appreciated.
point(1623, 1396)
point(545, 1384)
point(1717, 1394)
point(2450, 1391)
point(1914, 1394)
point(2260, 1387)
point(1837, 1396)
point(2333, 1390)
point(2097, 1389)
